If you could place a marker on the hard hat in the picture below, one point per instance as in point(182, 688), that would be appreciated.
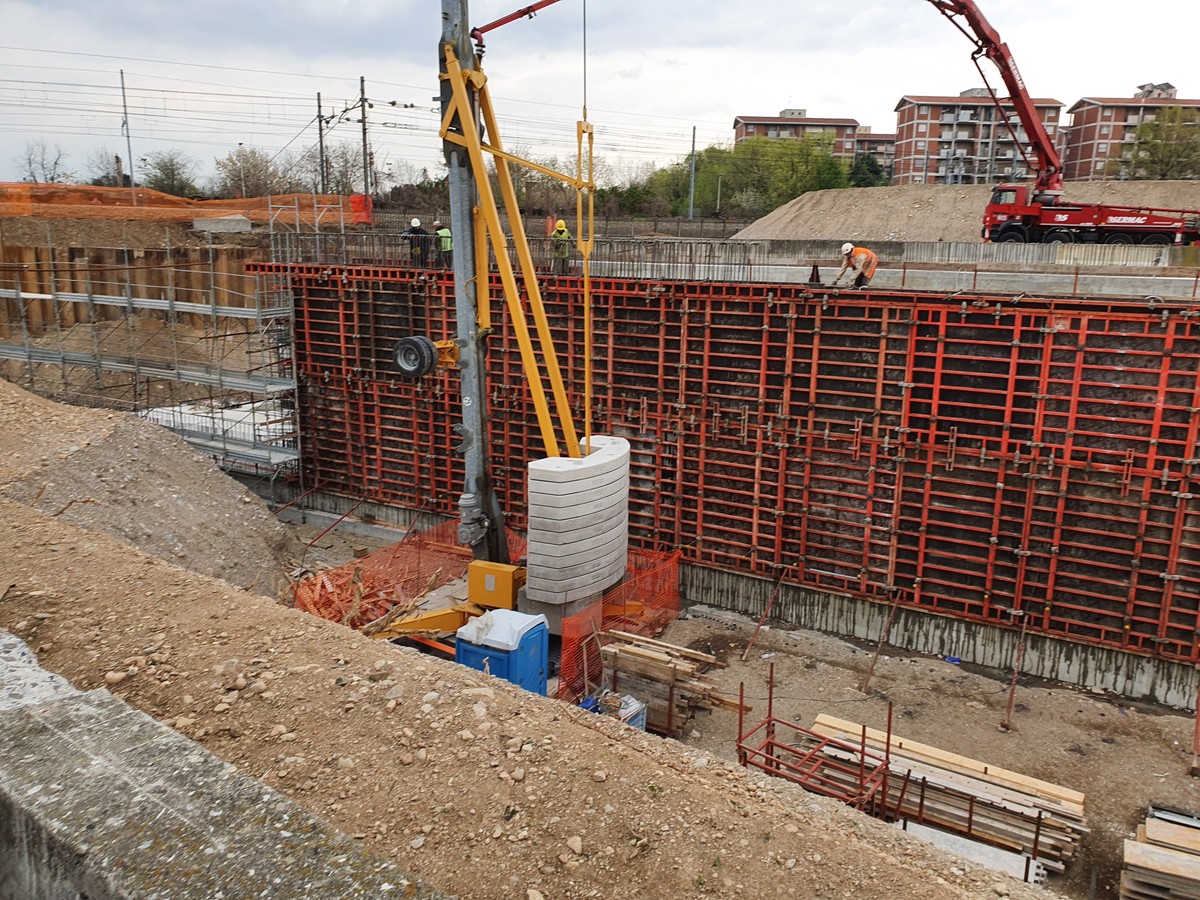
point(847, 248)
point(560, 224)
point(415, 223)
point(437, 224)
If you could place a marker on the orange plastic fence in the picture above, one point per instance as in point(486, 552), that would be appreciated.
point(82, 201)
point(645, 602)
point(362, 591)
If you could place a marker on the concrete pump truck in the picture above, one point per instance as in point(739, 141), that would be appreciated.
point(1037, 213)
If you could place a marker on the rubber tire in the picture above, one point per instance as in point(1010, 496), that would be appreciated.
point(1118, 238)
point(1012, 236)
point(1158, 240)
point(415, 356)
point(1058, 237)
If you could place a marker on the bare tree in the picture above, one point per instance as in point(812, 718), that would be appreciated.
point(106, 169)
point(41, 164)
point(250, 172)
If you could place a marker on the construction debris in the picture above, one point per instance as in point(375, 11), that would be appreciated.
point(667, 677)
point(1164, 861)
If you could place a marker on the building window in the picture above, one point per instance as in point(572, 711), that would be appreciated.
point(920, 128)
point(1102, 148)
point(920, 145)
point(923, 110)
point(1104, 129)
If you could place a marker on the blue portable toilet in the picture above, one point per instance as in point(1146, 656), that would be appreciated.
point(508, 644)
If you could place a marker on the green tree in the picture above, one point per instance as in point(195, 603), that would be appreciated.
point(754, 177)
point(866, 172)
point(1168, 147)
point(169, 171)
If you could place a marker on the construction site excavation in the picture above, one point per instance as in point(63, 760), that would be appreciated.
point(852, 555)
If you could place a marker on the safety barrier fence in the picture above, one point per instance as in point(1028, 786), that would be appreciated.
point(971, 455)
point(727, 260)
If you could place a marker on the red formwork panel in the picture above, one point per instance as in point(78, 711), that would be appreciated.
point(970, 455)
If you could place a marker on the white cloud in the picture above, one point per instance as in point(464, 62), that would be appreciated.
point(653, 69)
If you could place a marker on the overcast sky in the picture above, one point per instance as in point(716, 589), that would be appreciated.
point(202, 77)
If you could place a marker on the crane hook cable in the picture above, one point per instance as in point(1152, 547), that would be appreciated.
point(585, 241)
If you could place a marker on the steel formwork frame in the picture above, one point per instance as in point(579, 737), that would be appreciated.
point(970, 455)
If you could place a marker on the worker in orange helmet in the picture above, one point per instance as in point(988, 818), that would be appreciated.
point(861, 262)
point(560, 240)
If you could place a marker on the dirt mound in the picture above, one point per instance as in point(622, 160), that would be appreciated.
point(471, 783)
point(118, 474)
point(935, 212)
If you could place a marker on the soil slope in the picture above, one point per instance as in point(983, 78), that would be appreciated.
point(920, 212)
point(481, 788)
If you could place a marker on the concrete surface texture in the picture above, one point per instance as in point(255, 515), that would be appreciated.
point(100, 800)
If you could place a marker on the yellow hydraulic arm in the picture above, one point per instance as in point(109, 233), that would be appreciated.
point(468, 87)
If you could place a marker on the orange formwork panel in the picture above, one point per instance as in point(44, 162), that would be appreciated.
point(968, 455)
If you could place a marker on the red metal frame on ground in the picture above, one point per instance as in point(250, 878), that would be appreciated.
point(967, 455)
point(863, 786)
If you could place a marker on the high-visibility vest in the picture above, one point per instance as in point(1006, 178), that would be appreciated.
point(447, 238)
point(865, 261)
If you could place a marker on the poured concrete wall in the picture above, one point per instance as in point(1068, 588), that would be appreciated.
point(99, 800)
point(1089, 666)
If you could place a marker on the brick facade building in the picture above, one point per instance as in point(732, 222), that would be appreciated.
point(1103, 130)
point(963, 139)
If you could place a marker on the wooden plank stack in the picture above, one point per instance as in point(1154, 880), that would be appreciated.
point(667, 677)
point(1164, 862)
point(955, 793)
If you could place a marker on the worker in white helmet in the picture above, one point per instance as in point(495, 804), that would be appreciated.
point(418, 242)
point(861, 262)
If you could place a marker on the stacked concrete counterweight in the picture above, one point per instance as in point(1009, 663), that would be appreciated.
point(578, 528)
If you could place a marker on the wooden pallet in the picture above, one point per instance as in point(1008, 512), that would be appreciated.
point(667, 677)
point(1163, 863)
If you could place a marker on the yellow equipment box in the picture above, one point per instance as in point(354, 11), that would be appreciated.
point(493, 585)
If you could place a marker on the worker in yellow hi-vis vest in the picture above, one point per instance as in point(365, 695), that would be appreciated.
point(560, 241)
point(445, 244)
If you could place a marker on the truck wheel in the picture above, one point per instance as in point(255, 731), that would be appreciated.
point(1118, 238)
point(1059, 236)
point(415, 356)
point(1160, 240)
point(1012, 236)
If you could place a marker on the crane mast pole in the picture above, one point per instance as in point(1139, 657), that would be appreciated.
point(482, 523)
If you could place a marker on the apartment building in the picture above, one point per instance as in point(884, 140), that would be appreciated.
point(848, 136)
point(1103, 130)
point(796, 123)
point(965, 139)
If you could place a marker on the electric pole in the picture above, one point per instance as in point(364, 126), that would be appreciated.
point(362, 97)
point(323, 181)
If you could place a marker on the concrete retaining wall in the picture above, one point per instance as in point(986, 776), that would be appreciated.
point(1130, 675)
point(99, 800)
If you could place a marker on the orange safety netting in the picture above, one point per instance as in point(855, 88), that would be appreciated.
point(81, 201)
point(643, 603)
point(366, 589)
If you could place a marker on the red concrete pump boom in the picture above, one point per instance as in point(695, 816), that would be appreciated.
point(987, 43)
point(522, 13)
